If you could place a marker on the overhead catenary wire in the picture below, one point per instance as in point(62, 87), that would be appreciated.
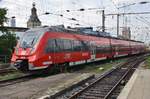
point(142, 21)
point(146, 24)
point(41, 9)
point(114, 4)
point(72, 19)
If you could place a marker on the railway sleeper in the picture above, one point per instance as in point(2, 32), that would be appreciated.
point(89, 97)
point(93, 96)
point(95, 92)
point(98, 89)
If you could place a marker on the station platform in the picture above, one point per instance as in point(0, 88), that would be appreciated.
point(138, 86)
point(42, 86)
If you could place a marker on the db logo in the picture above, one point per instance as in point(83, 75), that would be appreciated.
point(84, 54)
point(67, 56)
point(50, 57)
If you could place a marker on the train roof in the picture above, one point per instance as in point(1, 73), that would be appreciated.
point(61, 28)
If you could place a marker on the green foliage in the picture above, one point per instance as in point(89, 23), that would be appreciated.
point(7, 39)
point(11, 75)
point(3, 17)
point(7, 43)
point(147, 63)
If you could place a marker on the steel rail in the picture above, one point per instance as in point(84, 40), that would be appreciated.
point(103, 76)
point(15, 80)
point(6, 70)
point(111, 91)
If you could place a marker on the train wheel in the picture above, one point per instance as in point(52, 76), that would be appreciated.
point(24, 66)
point(64, 67)
point(54, 69)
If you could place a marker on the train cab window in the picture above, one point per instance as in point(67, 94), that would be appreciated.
point(30, 38)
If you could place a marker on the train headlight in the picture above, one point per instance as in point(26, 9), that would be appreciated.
point(32, 50)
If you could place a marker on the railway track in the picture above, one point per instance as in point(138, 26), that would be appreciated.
point(6, 71)
point(15, 80)
point(4, 65)
point(104, 86)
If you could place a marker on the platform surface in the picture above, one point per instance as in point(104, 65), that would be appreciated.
point(138, 86)
point(41, 86)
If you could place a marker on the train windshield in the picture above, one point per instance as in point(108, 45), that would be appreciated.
point(30, 38)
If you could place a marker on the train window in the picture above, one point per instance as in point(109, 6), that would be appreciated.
point(103, 49)
point(113, 48)
point(87, 44)
point(98, 49)
point(60, 44)
point(107, 49)
point(91, 46)
point(84, 46)
point(67, 45)
point(123, 48)
point(76, 45)
point(71, 42)
point(51, 46)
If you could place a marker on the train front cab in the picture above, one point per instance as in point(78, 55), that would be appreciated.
point(27, 50)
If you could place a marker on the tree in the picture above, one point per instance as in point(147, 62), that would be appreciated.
point(7, 43)
point(3, 17)
point(7, 39)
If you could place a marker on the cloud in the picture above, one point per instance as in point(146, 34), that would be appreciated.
point(123, 1)
point(22, 10)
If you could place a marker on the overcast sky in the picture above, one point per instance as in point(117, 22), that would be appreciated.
point(139, 24)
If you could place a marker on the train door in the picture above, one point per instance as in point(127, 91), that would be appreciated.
point(92, 51)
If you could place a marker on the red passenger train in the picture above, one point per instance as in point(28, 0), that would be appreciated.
point(48, 47)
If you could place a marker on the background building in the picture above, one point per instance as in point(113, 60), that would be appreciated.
point(33, 20)
point(126, 33)
point(13, 22)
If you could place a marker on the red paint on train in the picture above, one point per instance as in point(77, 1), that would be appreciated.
point(45, 47)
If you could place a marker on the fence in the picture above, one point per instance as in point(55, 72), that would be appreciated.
point(4, 59)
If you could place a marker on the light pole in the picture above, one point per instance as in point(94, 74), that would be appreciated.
point(142, 2)
point(103, 21)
